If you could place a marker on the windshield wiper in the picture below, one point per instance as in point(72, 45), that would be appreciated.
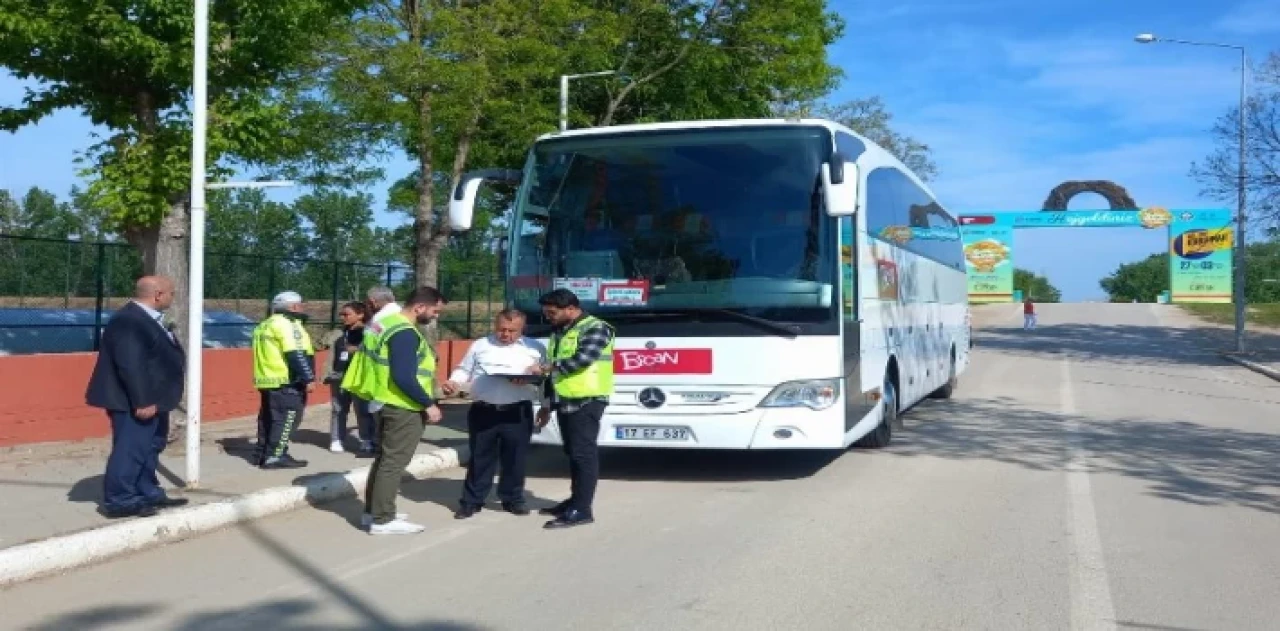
point(788, 331)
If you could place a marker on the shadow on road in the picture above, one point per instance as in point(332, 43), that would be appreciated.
point(1176, 460)
point(291, 614)
point(1116, 344)
point(687, 465)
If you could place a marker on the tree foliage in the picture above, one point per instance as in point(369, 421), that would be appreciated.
point(127, 64)
point(1218, 173)
point(1035, 286)
point(1142, 280)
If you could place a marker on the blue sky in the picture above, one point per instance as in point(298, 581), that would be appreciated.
point(1014, 97)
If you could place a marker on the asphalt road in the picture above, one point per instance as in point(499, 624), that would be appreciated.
point(1101, 472)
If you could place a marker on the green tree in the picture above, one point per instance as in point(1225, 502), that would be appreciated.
point(127, 64)
point(698, 59)
point(1035, 286)
point(423, 76)
point(1141, 281)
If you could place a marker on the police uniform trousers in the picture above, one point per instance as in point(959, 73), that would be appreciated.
point(497, 434)
point(279, 414)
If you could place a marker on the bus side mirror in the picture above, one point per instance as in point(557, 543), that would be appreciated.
point(840, 186)
point(462, 204)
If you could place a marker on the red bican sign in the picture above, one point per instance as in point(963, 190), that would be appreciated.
point(660, 361)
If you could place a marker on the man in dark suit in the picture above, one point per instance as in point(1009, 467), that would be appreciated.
point(138, 380)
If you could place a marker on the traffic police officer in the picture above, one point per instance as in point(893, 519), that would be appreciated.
point(283, 372)
point(401, 375)
point(581, 371)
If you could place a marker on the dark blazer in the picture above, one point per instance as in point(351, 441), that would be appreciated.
point(139, 365)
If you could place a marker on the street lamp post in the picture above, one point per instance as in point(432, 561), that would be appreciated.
point(1237, 282)
point(195, 288)
point(564, 92)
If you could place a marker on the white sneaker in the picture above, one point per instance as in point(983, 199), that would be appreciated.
point(336, 447)
point(397, 527)
point(366, 519)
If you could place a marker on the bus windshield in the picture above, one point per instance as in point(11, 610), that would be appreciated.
point(681, 228)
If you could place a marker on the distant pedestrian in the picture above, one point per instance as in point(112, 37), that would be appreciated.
point(500, 419)
point(1028, 314)
point(138, 380)
point(402, 377)
point(344, 344)
point(284, 373)
point(581, 371)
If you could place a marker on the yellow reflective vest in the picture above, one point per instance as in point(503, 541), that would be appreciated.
point(379, 366)
point(597, 379)
point(273, 339)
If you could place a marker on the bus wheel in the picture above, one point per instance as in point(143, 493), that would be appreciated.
point(883, 433)
point(948, 388)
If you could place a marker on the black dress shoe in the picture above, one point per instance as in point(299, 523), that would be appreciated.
point(516, 508)
point(555, 511)
point(136, 511)
point(570, 518)
point(466, 511)
point(171, 502)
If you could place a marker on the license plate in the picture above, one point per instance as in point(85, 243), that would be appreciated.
point(652, 433)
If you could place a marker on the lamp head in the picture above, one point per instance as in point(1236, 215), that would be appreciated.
point(1146, 38)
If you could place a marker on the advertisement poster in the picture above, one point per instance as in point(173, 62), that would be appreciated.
point(988, 256)
point(1200, 263)
point(847, 267)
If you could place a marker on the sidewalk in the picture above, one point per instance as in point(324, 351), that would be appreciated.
point(1262, 344)
point(54, 489)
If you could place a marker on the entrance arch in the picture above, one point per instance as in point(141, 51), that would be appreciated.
point(1200, 241)
point(1116, 195)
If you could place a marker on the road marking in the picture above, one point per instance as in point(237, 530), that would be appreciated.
point(1091, 606)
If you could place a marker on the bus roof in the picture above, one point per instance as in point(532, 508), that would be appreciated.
point(696, 124)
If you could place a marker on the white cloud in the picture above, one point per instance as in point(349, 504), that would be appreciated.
point(1251, 18)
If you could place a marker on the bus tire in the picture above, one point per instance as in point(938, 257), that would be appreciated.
point(881, 436)
point(949, 388)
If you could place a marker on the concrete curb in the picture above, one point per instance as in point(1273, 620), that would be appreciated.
point(41, 558)
point(1254, 366)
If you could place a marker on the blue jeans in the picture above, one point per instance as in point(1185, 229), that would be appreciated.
point(341, 402)
point(130, 480)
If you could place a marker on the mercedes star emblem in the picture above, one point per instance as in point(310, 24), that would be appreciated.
point(651, 398)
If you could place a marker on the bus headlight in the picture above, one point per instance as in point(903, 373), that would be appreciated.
point(816, 394)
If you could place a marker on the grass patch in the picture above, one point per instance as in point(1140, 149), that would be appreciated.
point(1266, 314)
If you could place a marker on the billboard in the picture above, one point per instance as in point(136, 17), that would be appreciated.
point(1200, 244)
point(988, 257)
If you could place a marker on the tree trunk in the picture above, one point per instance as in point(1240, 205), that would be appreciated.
point(164, 253)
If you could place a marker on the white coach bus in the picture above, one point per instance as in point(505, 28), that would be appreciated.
point(774, 284)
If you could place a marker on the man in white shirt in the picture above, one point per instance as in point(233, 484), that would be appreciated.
point(382, 303)
point(500, 421)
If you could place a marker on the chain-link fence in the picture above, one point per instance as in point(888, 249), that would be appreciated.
point(56, 295)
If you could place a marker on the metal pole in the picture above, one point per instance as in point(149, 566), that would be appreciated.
point(1238, 281)
point(100, 289)
point(333, 308)
point(564, 102)
point(195, 289)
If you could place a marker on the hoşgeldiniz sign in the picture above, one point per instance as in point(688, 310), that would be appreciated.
point(1200, 242)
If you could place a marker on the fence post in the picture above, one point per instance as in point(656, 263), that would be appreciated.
point(388, 276)
point(100, 290)
point(333, 309)
point(470, 302)
point(271, 285)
